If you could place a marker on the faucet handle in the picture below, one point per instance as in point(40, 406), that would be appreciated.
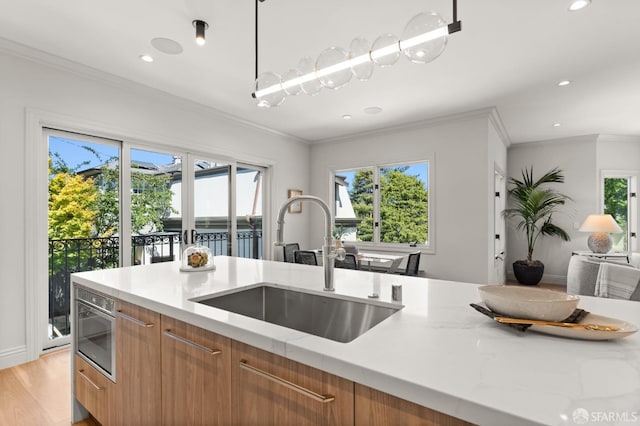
point(341, 253)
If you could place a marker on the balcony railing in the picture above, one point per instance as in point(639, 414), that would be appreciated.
point(67, 256)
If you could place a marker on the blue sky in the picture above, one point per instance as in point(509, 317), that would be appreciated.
point(419, 170)
point(73, 153)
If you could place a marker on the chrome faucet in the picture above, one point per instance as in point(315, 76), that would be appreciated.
point(329, 251)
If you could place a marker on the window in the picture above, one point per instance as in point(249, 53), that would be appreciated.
point(384, 204)
point(620, 201)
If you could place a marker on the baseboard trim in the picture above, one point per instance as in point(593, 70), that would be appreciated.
point(13, 356)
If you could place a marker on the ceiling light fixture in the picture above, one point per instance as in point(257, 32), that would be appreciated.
point(146, 58)
point(346, 117)
point(423, 40)
point(200, 27)
point(556, 124)
point(576, 5)
point(564, 83)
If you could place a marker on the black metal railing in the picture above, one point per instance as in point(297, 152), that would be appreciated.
point(74, 255)
point(67, 256)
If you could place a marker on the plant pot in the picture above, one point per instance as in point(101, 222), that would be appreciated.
point(528, 273)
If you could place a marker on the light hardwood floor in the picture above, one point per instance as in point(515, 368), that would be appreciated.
point(38, 393)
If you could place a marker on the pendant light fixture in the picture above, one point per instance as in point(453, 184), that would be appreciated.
point(200, 27)
point(424, 39)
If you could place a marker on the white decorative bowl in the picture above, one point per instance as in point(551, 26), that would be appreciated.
point(528, 303)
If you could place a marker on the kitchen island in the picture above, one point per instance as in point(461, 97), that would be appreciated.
point(436, 351)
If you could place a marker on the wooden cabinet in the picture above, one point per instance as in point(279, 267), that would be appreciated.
point(373, 407)
point(268, 389)
point(172, 373)
point(93, 390)
point(196, 375)
point(138, 362)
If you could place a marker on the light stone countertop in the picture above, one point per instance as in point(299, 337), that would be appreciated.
point(437, 351)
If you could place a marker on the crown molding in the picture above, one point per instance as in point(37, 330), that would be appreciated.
point(421, 124)
point(498, 125)
point(41, 57)
point(572, 139)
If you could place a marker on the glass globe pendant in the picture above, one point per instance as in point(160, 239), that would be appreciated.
point(424, 37)
point(363, 69)
point(307, 67)
point(385, 50)
point(269, 92)
point(331, 69)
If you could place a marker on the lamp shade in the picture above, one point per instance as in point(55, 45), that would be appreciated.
point(600, 223)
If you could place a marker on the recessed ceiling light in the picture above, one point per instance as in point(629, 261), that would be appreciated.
point(373, 110)
point(576, 5)
point(146, 58)
point(346, 117)
point(564, 83)
point(166, 45)
point(556, 124)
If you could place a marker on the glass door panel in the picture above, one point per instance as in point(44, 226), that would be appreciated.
point(83, 213)
point(156, 207)
point(249, 186)
point(211, 206)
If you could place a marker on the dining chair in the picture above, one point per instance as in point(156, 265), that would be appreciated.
point(306, 257)
point(413, 263)
point(289, 250)
point(349, 262)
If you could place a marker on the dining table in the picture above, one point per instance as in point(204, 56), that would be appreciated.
point(384, 262)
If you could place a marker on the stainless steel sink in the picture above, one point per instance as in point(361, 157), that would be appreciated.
point(334, 318)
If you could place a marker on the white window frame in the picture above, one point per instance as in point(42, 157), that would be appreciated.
point(632, 202)
point(376, 245)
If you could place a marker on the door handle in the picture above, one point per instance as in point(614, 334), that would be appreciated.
point(193, 236)
point(185, 234)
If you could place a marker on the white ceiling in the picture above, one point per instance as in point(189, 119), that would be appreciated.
point(510, 54)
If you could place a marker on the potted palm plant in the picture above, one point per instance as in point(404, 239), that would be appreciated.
point(532, 204)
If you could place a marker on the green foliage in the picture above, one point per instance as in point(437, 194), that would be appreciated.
point(403, 207)
point(616, 204)
point(361, 195)
point(71, 205)
point(533, 206)
point(615, 198)
point(80, 208)
point(150, 201)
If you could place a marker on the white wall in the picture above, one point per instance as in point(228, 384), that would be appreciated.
point(496, 160)
point(576, 157)
point(71, 91)
point(459, 192)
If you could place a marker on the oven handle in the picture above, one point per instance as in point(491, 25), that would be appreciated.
point(134, 320)
point(96, 310)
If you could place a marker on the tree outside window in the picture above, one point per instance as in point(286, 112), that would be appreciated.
point(401, 214)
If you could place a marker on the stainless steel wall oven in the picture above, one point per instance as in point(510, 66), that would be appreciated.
point(95, 327)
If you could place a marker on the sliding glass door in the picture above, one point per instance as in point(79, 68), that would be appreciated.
point(83, 218)
point(113, 204)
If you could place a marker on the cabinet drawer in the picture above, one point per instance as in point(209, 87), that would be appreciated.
point(268, 389)
point(92, 390)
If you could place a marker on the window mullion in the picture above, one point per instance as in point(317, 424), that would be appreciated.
point(376, 205)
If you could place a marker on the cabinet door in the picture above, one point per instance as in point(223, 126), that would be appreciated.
point(378, 408)
point(93, 390)
point(196, 375)
point(138, 398)
point(271, 390)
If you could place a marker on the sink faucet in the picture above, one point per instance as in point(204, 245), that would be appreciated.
point(329, 251)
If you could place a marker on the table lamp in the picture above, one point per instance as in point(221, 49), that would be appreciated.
point(600, 225)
